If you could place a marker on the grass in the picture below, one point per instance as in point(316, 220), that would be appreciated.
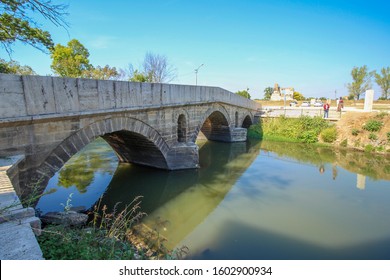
point(108, 236)
point(373, 125)
point(304, 129)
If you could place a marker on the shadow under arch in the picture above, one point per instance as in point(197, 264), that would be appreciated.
point(131, 139)
point(214, 126)
point(247, 122)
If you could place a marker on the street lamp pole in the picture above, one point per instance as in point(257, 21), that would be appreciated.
point(196, 74)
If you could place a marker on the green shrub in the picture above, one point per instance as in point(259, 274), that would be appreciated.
point(388, 136)
point(373, 125)
point(344, 143)
point(373, 136)
point(308, 137)
point(355, 131)
point(316, 124)
point(369, 148)
point(255, 131)
point(329, 135)
point(380, 149)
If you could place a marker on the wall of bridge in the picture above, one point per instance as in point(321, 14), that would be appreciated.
point(49, 119)
point(25, 97)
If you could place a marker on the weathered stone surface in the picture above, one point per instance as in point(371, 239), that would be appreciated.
point(66, 95)
point(12, 101)
point(39, 95)
point(70, 218)
point(146, 123)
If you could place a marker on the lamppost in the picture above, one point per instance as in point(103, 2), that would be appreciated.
point(196, 74)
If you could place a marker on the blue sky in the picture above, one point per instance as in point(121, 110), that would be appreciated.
point(309, 45)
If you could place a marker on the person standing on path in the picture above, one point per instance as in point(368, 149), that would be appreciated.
point(326, 110)
point(340, 104)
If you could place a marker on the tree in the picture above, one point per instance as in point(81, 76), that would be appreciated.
point(17, 22)
point(71, 60)
point(13, 67)
point(99, 73)
point(244, 93)
point(268, 91)
point(140, 77)
point(384, 82)
point(155, 69)
point(298, 96)
point(158, 68)
point(361, 81)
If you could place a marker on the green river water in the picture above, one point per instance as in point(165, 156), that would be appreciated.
point(251, 200)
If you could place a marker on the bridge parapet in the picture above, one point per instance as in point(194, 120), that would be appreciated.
point(27, 97)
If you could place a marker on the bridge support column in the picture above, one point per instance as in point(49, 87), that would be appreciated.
point(183, 156)
point(238, 134)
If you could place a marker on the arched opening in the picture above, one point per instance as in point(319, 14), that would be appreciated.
point(182, 129)
point(135, 148)
point(132, 140)
point(215, 128)
point(84, 178)
point(247, 122)
point(236, 119)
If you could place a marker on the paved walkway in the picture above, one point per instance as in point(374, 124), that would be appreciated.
point(296, 112)
point(17, 239)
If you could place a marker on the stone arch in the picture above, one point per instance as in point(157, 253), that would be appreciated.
point(131, 139)
point(247, 122)
point(214, 125)
point(181, 118)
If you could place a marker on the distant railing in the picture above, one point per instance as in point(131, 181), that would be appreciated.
point(296, 112)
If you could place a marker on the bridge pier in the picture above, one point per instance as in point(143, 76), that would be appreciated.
point(238, 134)
point(183, 156)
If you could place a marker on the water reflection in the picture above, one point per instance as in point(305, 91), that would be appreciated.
point(86, 176)
point(253, 200)
point(375, 166)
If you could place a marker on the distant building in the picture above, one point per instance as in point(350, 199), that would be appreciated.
point(282, 93)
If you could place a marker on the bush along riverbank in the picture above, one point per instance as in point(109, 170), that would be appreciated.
point(108, 236)
point(304, 129)
point(369, 132)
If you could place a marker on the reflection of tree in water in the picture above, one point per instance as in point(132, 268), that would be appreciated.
point(80, 170)
point(372, 165)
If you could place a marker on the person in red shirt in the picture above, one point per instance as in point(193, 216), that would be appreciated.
point(326, 110)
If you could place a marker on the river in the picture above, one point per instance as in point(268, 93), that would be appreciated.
point(251, 200)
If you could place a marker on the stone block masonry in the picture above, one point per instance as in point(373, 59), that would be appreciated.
point(49, 119)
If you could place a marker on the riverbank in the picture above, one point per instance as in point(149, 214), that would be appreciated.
point(369, 132)
point(115, 235)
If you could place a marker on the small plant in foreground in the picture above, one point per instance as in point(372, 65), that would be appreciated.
point(373, 136)
point(105, 238)
point(380, 149)
point(388, 136)
point(68, 204)
point(369, 148)
point(329, 135)
point(355, 131)
point(344, 143)
point(373, 125)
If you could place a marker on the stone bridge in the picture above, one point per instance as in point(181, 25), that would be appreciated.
point(46, 120)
